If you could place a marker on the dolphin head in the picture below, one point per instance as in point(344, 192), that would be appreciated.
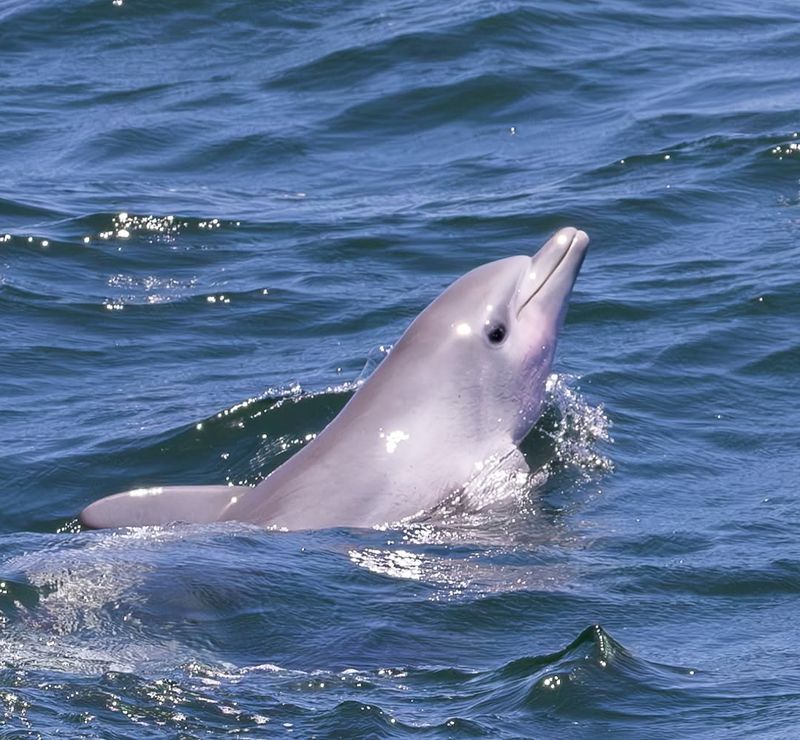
point(496, 330)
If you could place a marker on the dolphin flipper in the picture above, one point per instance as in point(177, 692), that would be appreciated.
point(161, 505)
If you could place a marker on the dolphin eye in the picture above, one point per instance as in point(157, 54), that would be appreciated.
point(496, 333)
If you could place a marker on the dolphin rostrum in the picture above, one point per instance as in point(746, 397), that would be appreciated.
point(463, 386)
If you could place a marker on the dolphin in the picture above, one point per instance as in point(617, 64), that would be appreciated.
point(464, 385)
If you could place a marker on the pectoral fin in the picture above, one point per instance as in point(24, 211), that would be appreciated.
point(161, 505)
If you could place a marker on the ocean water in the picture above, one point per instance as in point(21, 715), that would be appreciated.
point(213, 216)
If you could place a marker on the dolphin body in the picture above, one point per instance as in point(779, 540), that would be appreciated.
point(464, 385)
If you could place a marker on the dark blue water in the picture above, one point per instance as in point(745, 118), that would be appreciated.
point(214, 213)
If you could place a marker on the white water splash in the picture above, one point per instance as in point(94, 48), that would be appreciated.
point(580, 428)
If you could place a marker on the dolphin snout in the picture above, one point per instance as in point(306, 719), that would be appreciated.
point(569, 237)
point(568, 246)
point(553, 269)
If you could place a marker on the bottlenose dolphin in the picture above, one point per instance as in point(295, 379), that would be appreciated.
point(463, 386)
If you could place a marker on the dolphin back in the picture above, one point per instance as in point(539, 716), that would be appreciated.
point(161, 505)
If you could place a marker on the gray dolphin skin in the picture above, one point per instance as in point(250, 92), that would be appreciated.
point(463, 386)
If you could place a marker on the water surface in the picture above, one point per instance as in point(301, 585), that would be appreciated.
point(212, 216)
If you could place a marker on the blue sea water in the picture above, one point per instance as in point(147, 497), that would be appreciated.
point(214, 213)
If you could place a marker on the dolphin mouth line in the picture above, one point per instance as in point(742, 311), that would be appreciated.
point(549, 274)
